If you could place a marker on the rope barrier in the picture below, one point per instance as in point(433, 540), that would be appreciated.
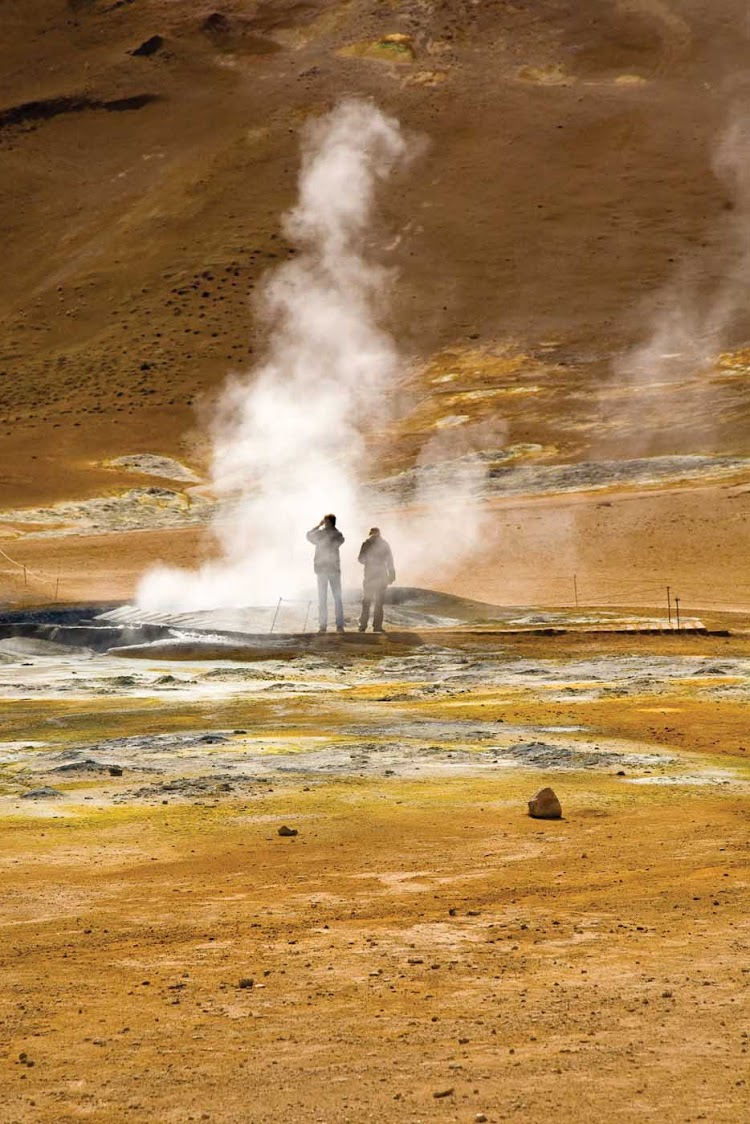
point(614, 591)
point(45, 579)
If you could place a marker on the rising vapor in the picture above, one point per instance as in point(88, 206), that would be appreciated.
point(288, 437)
point(692, 322)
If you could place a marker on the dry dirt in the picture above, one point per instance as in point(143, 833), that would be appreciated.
point(421, 949)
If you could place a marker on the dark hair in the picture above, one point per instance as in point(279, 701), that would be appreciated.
point(330, 520)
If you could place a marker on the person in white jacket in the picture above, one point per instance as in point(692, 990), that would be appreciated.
point(327, 540)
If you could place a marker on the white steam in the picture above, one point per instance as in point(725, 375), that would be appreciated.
point(288, 440)
point(695, 319)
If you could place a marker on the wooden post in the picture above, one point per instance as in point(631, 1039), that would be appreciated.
point(575, 588)
point(669, 605)
point(677, 607)
point(25, 579)
point(307, 614)
point(273, 622)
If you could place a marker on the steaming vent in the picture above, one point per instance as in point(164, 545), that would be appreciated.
point(289, 437)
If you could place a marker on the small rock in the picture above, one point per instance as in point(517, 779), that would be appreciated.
point(545, 805)
point(284, 830)
point(443, 1093)
point(246, 982)
point(480, 1118)
point(620, 773)
point(43, 793)
point(149, 47)
point(115, 771)
point(216, 23)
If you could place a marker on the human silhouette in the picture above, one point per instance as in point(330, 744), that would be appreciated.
point(327, 540)
point(377, 559)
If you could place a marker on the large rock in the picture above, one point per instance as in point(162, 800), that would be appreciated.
point(545, 805)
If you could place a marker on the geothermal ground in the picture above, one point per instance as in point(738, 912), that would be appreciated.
point(420, 949)
point(568, 298)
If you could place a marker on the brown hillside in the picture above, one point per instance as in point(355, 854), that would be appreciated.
point(149, 149)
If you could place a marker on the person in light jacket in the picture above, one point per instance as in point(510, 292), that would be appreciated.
point(377, 559)
point(327, 541)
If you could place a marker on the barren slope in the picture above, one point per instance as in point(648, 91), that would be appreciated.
point(149, 150)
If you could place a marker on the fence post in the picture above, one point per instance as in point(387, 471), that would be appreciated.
point(677, 607)
point(273, 622)
point(669, 605)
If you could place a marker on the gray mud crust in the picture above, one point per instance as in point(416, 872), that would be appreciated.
point(328, 717)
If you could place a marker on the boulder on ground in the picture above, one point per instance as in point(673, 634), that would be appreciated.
point(284, 830)
point(149, 47)
point(545, 805)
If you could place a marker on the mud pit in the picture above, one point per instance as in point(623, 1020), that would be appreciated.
point(421, 950)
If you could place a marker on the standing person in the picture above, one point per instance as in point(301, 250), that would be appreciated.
point(377, 559)
point(327, 540)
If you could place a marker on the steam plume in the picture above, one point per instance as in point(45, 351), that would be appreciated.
point(695, 321)
point(288, 440)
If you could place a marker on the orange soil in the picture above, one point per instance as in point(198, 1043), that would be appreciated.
point(413, 940)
